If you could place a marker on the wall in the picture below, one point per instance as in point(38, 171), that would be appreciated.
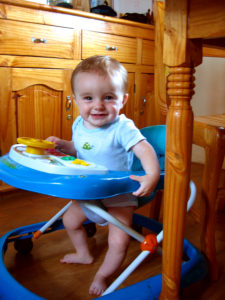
point(209, 95)
point(132, 6)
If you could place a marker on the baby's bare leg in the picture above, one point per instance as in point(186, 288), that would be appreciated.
point(118, 242)
point(73, 220)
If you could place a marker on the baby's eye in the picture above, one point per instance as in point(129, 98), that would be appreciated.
point(87, 98)
point(108, 97)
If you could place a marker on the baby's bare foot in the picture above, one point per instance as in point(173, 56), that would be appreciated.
point(98, 286)
point(74, 258)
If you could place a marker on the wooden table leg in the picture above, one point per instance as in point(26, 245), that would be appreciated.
point(178, 151)
point(181, 55)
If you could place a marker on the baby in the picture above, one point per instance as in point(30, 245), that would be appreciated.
point(99, 85)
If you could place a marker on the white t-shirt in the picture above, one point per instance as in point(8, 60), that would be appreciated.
point(108, 145)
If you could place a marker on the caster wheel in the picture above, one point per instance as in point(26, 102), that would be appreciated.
point(23, 246)
point(90, 229)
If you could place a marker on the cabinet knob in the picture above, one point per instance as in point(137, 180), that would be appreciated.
point(111, 48)
point(69, 117)
point(38, 40)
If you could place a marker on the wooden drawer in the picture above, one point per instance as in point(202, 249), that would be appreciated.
point(147, 52)
point(19, 38)
point(121, 48)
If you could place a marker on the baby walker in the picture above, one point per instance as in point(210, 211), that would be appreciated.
point(35, 165)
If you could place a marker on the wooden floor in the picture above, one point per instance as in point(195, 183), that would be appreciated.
point(41, 272)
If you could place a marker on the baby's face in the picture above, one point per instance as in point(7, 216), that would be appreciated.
point(99, 98)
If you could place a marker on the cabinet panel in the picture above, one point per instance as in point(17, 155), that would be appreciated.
point(31, 108)
point(24, 77)
point(147, 52)
point(121, 48)
point(7, 111)
point(145, 115)
point(38, 112)
point(21, 38)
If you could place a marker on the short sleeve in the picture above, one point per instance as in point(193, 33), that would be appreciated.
point(75, 124)
point(128, 134)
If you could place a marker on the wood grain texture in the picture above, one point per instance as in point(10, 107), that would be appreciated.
point(206, 19)
point(145, 104)
point(161, 106)
point(97, 43)
point(38, 112)
point(16, 38)
point(7, 111)
point(175, 32)
point(128, 109)
point(209, 133)
point(213, 51)
point(25, 77)
point(148, 52)
point(177, 165)
point(36, 62)
point(67, 108)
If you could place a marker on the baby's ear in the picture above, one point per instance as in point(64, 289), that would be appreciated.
point(74, 98)
point(125, 98)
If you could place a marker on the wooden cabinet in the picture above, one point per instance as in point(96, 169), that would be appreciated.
point(40, 46)
point(35, 103)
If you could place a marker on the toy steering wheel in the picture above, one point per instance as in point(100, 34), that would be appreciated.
point(35, 146)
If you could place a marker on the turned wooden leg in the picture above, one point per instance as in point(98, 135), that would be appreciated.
point(178, 155)
point(214, 156)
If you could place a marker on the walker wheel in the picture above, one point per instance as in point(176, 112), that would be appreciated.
point(23, 246)
point(35, 146)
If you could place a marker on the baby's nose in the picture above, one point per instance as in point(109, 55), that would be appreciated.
point(99, 104)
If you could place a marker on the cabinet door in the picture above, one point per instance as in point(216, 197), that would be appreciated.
point(38, 111)
point(34, 103)
point(144, 110)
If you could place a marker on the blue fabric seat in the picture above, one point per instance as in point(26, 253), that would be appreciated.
point(156, 136)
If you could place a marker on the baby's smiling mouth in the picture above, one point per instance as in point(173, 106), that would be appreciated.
point(98, 115)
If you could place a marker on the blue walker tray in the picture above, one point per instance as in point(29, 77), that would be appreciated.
point(37, 173)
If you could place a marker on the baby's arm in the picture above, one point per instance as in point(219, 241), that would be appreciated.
point(145, 152)
point(64, 146)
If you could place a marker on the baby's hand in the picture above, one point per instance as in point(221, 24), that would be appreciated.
point(147, 184)
point(57, 141)
point(63, 146)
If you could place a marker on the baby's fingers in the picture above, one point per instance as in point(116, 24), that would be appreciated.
point(139, 192)
point(136, 178)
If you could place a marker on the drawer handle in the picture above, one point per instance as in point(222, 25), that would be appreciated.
point(38, 41)
point(111, 48)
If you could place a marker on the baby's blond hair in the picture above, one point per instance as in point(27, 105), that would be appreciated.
point(103, 65)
